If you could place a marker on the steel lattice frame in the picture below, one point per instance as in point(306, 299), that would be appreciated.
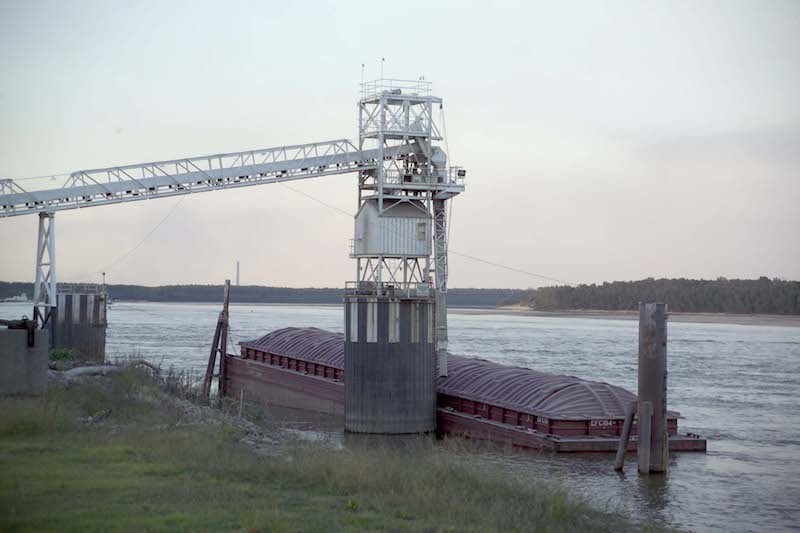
point(44, 288)
point(396, 115)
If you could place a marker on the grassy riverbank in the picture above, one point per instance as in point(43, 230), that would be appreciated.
point(117, 452)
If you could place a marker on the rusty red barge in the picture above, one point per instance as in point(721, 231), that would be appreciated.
point(304, 368)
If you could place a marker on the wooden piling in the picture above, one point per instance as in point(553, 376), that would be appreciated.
point(624, 437)
point(212, 361)
point(653, 383)
point(645, 427)
point(219, 347)
point(223, 361)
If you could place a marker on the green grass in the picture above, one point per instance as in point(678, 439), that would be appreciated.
point(138, 471)
point(63, 354)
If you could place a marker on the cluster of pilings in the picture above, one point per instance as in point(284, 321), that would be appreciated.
point(652, 447)
point(79, 323)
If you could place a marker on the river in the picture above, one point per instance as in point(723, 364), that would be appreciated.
point(737, 385)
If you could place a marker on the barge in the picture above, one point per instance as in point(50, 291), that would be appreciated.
point(303, 368)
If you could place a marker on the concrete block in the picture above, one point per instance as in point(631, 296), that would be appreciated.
point(23, 370)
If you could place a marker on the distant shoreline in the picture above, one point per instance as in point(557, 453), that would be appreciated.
point(698, 318)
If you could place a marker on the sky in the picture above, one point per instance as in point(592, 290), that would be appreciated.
point(603, 140)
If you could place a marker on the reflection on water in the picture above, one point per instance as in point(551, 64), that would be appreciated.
point(737, 385)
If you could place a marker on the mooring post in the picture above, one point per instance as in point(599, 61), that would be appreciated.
point(643, 449)
point(218, 347)
point(653, 384)
point(222, 384)
point(624, 437)
point(212, 360)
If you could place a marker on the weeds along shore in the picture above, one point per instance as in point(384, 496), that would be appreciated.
point(135, 449)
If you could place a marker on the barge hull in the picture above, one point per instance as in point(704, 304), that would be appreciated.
point(272, 385)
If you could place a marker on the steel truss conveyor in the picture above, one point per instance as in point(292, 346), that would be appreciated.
point(161, 179)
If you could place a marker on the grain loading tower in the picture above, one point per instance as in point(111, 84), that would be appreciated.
point(395, 313)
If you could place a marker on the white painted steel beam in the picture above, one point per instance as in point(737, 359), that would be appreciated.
point(104, 186)
point(440, 266)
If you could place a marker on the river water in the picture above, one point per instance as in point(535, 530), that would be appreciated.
point(737, 385)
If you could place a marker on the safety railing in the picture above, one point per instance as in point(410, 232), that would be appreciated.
point(454, 177)
point(398, 289)
point(457, 176)
point(82, 288)
point(397, 87)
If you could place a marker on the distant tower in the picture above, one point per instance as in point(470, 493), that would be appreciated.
point(395, 320)
point(237, 272)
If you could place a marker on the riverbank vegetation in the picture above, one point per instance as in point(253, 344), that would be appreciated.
point(119, 453)
point(739, 296)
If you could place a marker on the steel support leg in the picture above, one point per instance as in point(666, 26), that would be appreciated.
point(440, 257)
point(44, 288)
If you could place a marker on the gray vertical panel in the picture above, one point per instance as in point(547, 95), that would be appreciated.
point(83, 307)
point(372, 320)
point(76, 308)
point(383, 321)
point(96, 312)
point(354, 321)
point(361, 313)
point(67, 307)
point(90, 316)
point(103, 311)
point(61, 306)
point(346, 321)
point(65, 337)
point(394, 321)
point(53, 325)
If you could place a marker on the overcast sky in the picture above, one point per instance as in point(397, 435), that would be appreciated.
point(603, 140)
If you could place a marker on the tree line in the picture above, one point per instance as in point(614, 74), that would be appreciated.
point(259, 294)
point(750, 296)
